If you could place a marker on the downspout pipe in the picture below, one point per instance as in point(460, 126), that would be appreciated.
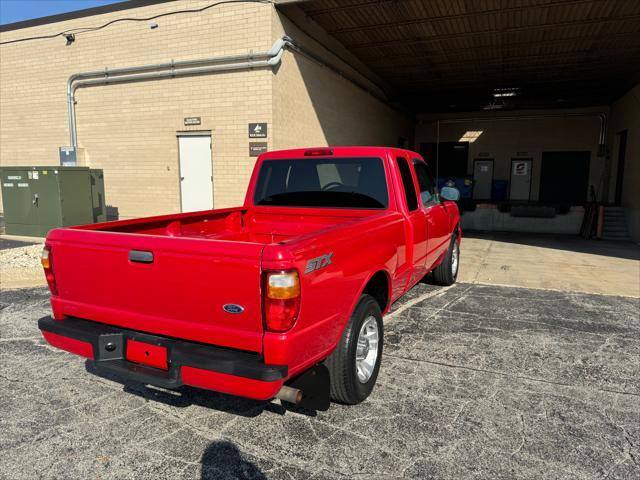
point(269, 58)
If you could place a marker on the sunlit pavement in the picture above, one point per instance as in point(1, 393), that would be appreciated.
point(557, 262)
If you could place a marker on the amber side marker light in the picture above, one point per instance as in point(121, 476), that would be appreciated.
point(282, 300)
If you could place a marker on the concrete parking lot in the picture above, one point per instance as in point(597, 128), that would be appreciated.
point(477, 382)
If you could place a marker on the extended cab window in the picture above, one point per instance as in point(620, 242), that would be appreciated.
point(322, 182)
point(426, 183)
point(407, 183)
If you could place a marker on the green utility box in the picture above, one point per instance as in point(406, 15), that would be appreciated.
point(37, 199)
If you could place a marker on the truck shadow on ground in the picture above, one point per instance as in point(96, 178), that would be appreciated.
point(222, 459)
point(186, 396)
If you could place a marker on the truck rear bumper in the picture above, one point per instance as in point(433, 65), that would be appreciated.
point(188, 363)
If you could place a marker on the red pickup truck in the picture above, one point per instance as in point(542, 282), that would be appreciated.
point(282, 297)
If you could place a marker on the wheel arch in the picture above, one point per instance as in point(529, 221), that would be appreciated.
point(378, 285)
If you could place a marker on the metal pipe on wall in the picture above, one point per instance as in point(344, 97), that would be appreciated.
point(247, 61)
point(269, 58)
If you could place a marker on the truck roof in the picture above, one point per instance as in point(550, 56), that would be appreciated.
point(315, 152)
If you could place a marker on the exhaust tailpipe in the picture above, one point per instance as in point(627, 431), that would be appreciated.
point(289, 394)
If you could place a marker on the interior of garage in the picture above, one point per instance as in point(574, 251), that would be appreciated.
point(531, 108)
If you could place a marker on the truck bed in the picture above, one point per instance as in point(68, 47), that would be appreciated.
point(235, 224)
point(198, 263)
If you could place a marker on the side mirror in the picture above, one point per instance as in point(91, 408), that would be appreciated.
point(450, 193)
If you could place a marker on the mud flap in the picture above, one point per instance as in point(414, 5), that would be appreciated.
point(314, 384)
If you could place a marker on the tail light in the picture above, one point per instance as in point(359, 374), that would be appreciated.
point(281, 300)
point(317, 152)
point(46, 259)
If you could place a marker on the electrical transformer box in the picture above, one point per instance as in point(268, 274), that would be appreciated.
point(37, 199)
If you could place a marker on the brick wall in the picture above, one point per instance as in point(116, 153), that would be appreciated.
point(316, 106)
point(130, 129)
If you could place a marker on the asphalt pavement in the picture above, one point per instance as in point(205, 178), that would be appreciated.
point(476, 382)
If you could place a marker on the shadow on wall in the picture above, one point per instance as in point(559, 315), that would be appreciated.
point(317, 106)
point(222, 459)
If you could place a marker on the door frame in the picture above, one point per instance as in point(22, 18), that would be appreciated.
point(530, 177)
point(193, 133)
point(622, 150)
point(493, 172)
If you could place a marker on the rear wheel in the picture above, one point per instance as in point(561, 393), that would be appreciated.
point(354, 364)
point(447, 272)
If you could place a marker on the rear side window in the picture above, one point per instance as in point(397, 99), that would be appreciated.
point(426, 183)
point(323, 182)
point(407, 183)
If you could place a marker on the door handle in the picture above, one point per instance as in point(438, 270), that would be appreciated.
point(181, 179)
point(35, 199)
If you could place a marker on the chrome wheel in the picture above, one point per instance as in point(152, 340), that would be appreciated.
point(367, 349)
point(455, 257)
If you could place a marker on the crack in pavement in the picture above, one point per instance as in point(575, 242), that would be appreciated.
point(509, 375)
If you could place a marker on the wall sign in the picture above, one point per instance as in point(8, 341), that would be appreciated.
point(189, 121)
point(256, 148)
point(520, 168)
point(257, 130)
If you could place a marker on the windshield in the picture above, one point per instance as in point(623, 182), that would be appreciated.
point(325, 182)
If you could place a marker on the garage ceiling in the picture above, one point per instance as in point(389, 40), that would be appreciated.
point(444, 55)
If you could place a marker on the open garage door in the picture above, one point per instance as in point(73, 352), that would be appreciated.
point(564, 177)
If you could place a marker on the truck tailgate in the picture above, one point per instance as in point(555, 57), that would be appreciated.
point(180, 293)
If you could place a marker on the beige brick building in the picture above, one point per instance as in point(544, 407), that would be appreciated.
point(130, 130)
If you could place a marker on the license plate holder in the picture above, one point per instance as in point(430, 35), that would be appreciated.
point(147, 354)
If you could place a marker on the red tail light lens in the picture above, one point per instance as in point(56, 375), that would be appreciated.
point(281, 300)
point(46, 259)
point(317, 152)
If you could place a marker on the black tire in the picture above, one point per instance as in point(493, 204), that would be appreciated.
point(346, 387)
point(443, 274)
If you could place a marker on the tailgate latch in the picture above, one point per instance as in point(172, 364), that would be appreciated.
point(140, 256)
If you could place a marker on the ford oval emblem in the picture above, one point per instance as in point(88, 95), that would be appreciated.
point(233, 308)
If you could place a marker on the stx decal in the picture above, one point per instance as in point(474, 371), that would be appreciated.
point(318, 263)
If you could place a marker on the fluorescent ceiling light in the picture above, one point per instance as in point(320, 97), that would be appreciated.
point(505, 92)
point(470, 136)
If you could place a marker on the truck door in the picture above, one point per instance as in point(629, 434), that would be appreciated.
point(417, 223)
point(437, 218)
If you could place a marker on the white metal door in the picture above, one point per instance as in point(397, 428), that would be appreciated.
point(482, 179)
point(520, 178)
point(196, 175)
